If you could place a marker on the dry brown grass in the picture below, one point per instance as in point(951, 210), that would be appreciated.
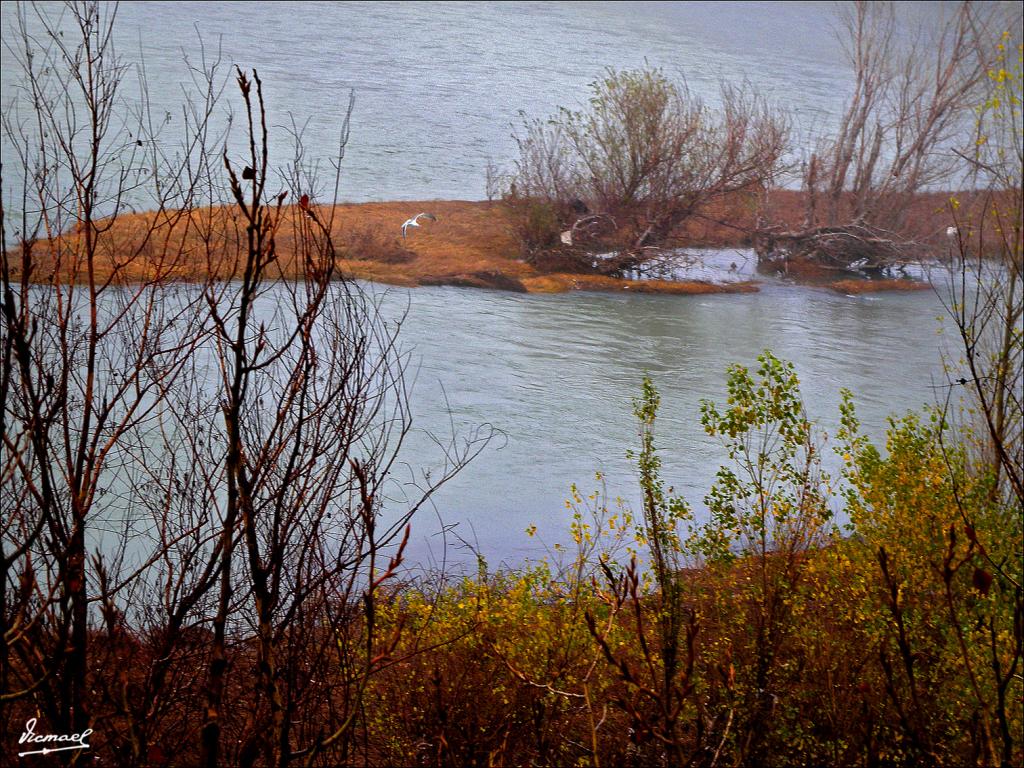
point(470, 244)
point(874, 286)
point(562, 281)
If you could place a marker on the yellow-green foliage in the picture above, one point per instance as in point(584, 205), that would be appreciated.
point(897, 640)
point(501, 665)
point(932, 573)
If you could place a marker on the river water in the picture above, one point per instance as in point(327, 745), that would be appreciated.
point(558, 373)
point(438, 87)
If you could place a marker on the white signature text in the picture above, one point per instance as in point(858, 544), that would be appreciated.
point(61, 742)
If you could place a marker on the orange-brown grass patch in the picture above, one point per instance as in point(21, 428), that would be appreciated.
point(564, 281)
point(471, 244)
point(874, 286)
point(469, 238)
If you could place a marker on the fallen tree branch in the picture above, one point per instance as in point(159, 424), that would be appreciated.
point(851, 246)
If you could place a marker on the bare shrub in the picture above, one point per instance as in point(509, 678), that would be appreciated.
point(911, 103)
point(88, 356)
point(199, 510)
point(648, 154)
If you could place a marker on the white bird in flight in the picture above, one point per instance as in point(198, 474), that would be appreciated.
point(415, 221)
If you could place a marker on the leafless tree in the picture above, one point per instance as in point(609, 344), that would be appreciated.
point(312, 395)
point(988, 288)
point(201, 502)
point(984, 298)
point(647, 155)
point(912, 96)
point(88, 351)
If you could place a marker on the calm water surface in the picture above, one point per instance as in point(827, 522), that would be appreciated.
point(438, 86)
point(557, 374)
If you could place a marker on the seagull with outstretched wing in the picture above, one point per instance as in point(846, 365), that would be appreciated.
point(415, 221)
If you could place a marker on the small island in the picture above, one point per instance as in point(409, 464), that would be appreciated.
point(471, 244)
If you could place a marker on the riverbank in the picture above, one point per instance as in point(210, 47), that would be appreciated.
point(471, 244)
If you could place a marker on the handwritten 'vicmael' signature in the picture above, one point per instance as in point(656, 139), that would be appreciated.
point(62, 741)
